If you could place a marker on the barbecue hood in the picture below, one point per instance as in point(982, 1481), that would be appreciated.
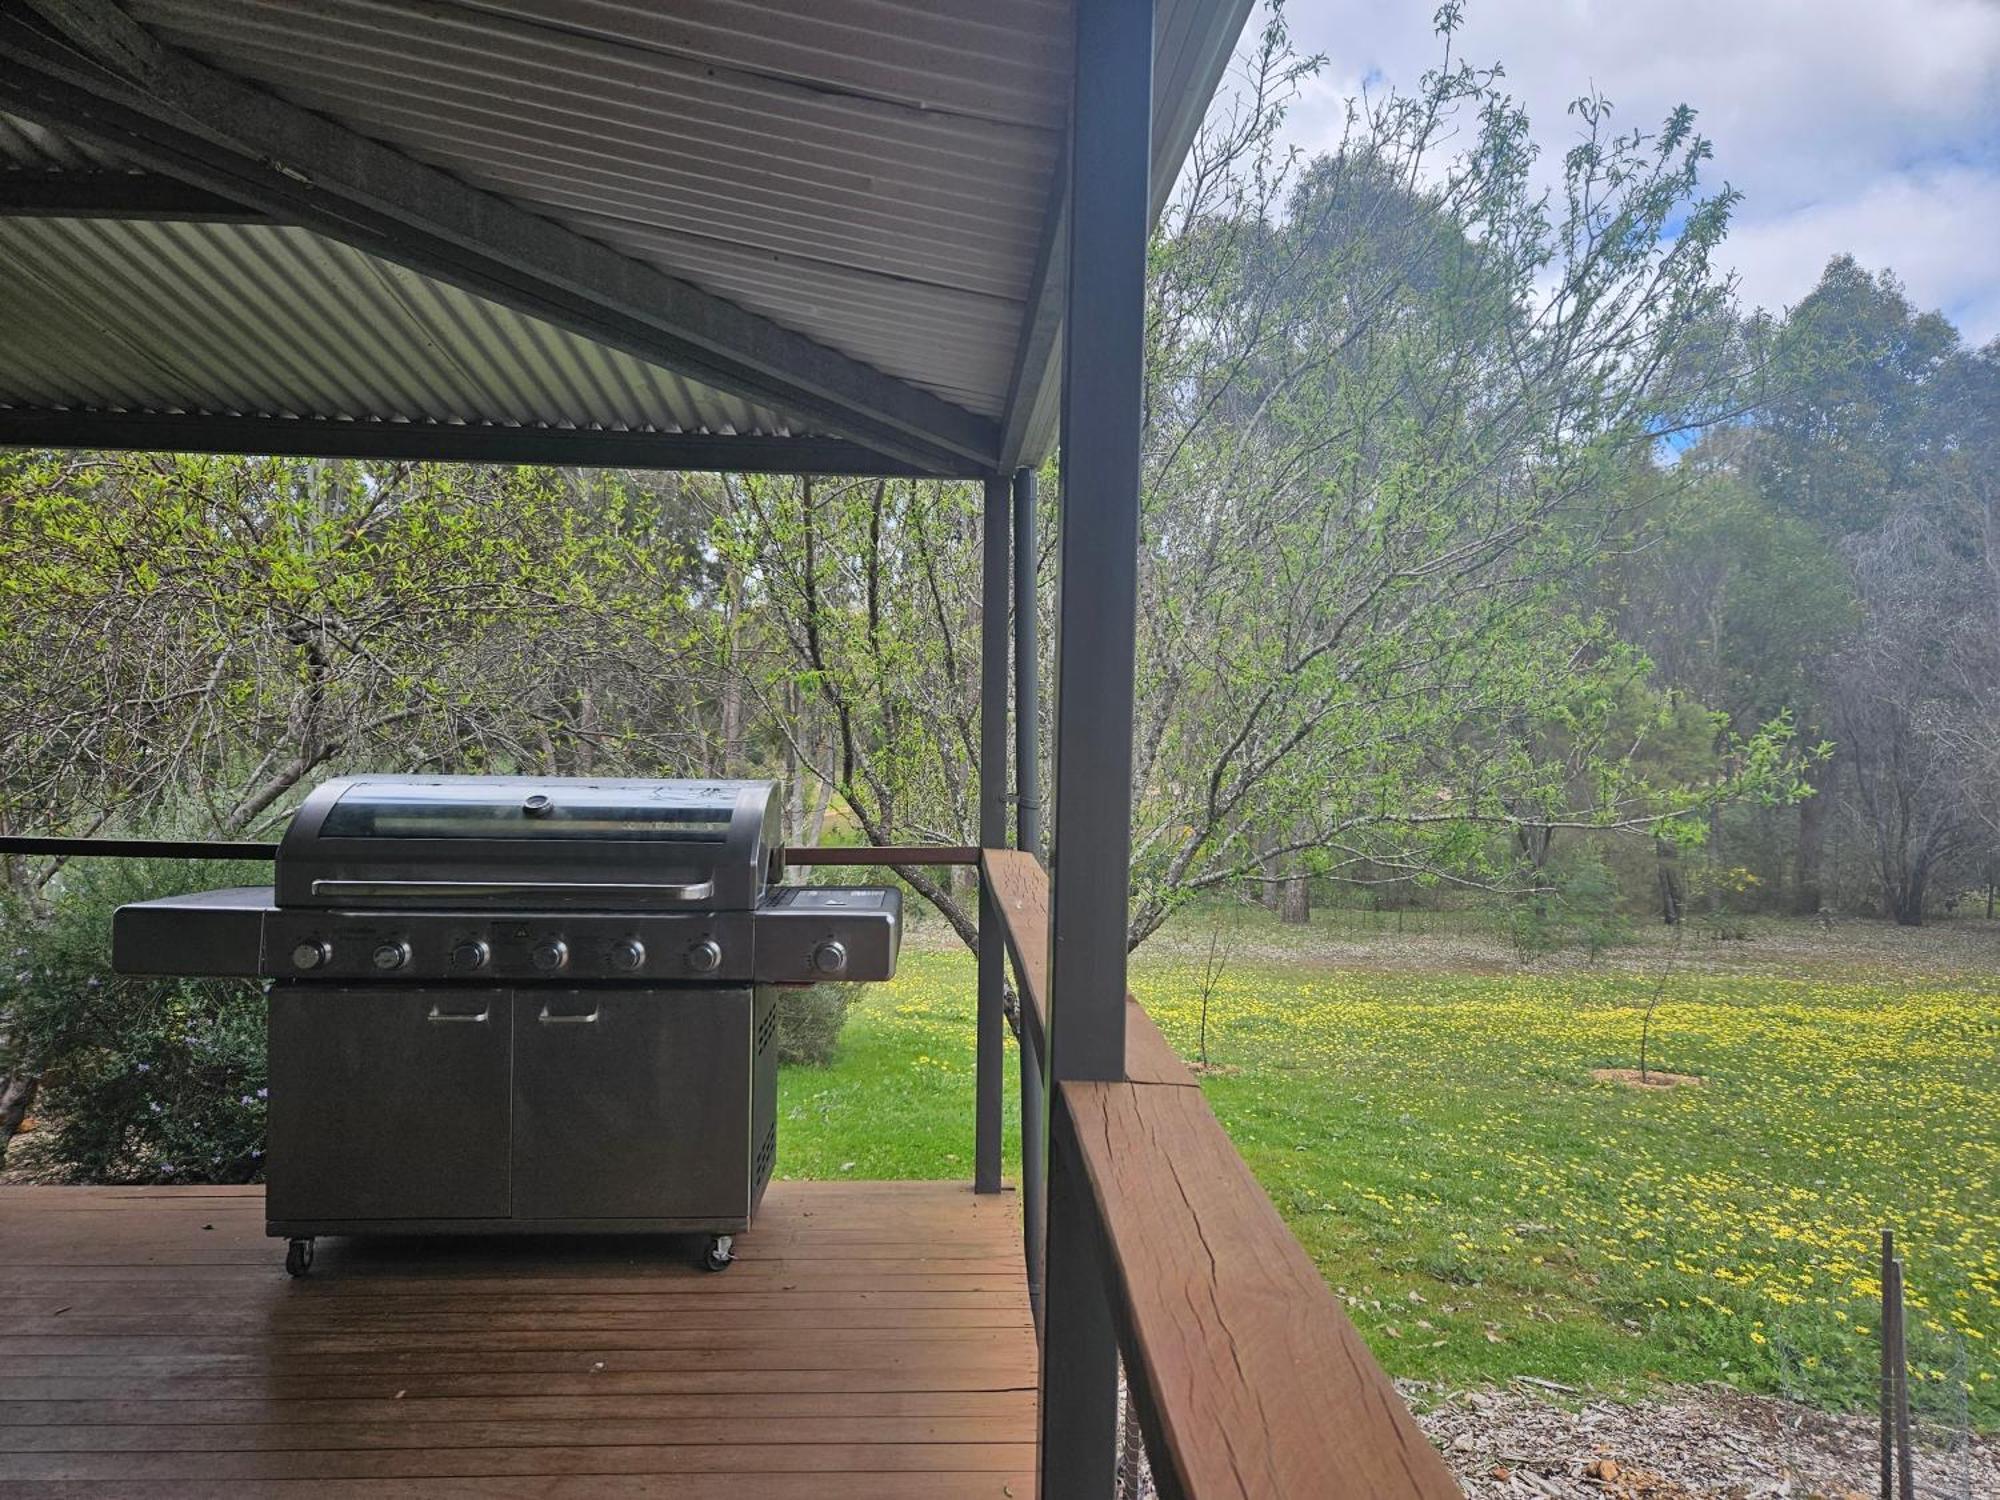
point(543, 879)
point(513, 841)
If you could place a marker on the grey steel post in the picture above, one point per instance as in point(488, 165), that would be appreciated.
point(1028, 836)
point(1034, 1170)
point(1099, 539)
point(990, 1065)
point(1027, 667)
point(1885, 1331)
point(1103, 358)
point(1906, 1483)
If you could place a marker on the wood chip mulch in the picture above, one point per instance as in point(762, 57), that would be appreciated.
point(1701, 1443)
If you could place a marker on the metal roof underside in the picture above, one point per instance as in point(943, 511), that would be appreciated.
point(876, 176)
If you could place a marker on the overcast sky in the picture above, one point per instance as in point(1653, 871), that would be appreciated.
point(1869, 126)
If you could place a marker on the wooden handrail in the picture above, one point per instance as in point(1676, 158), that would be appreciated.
point(1021, 892)
point(1249, 1377)
point(883, 854)
point(137, 848)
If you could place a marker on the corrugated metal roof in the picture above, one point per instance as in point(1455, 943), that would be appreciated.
point(873, 174)
point(897, 157)
point(261, 320)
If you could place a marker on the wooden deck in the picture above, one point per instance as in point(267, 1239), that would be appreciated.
point(873, 1339)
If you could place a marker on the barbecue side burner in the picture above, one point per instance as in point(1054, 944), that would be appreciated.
point(504, 1004)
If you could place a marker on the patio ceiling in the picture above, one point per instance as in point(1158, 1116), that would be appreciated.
point(804, 234)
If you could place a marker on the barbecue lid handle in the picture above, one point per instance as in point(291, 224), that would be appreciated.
point(444, 890)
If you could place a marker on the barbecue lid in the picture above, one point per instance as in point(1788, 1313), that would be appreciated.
point(529, 842)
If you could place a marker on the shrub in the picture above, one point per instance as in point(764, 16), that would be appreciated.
point(1590, 904)
point(147, 1080)
point(1582, 911)
point(809, 1022)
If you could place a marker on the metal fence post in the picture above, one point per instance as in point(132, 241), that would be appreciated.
point(989, 1067)
point(1103, 372)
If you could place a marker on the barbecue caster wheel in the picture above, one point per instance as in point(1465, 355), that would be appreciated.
point(298, 1257)
point(719, 1253)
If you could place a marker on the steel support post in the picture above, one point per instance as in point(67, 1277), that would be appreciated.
point(1079, 1447)
point(1027, 667)
point(1103, 358)
point(989, 1070)
point(1034, 1170)
point(1099, 540)
point(1028, 836)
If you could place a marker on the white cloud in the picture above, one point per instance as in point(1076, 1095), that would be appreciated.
point(1848, 125)
point(1935, 228)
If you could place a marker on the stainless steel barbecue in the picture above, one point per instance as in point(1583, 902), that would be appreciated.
point(516, 1004)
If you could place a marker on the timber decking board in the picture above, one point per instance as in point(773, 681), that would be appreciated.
point(875, 1340)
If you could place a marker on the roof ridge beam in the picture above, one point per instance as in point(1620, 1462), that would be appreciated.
point(87, 66)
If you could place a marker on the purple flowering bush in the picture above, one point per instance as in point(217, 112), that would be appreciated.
point(139, 1080)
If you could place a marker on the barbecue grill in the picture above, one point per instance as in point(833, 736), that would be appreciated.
point(510, 1004)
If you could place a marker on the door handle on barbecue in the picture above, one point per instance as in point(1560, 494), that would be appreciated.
point(557, 1018)
point(439, 1013)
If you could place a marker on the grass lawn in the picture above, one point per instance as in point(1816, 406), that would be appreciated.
point(1487, 1209)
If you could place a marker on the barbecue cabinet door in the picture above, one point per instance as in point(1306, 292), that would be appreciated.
point(388, 1103)
point(632, 1104)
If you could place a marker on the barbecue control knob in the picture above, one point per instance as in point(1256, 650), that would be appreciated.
point(830, 958)
point(392, 955)
point(310, 954)
point(470, 954)
point(705, 957)
point(549, 954)
point(628, 954)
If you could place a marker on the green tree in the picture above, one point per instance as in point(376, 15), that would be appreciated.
point(1845, 421)
point(1740, 605)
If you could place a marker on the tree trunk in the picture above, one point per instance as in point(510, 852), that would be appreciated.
point(732, 678)
point(1807, 895)
point(1667, 857)
point(17, 1097)
point(822, 794)
point(1268, 883)
point(1294, 901)
point(1908, 897)
point(1711, 854)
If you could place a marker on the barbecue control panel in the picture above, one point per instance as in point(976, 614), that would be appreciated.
point(461, 945)
point(798, 935)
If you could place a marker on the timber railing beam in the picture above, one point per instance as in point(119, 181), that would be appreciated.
point(1249, 1378)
